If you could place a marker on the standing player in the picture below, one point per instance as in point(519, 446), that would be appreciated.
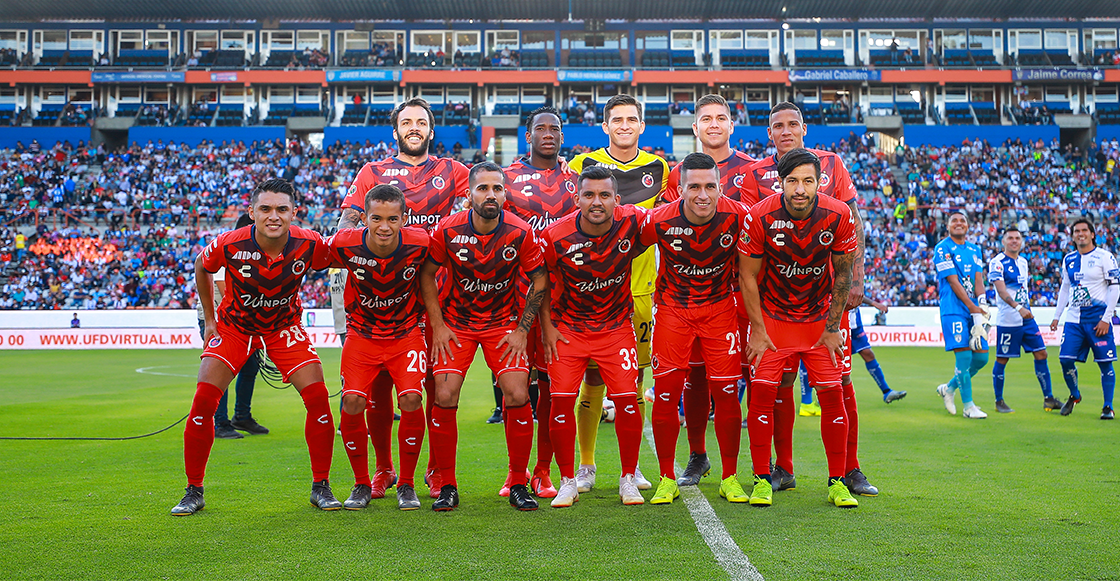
point(695, 306)
point(265, 264)
point(1090, 288)
point(433, 188)
point(796, 267)
point(787, 131)
point(641, 180)
point(540, 192)
point(589, 254)
point(1015, 324)
point(861, 345)
point(383, 311)
point(959, 267)
point(484, 250)
point(713, 127)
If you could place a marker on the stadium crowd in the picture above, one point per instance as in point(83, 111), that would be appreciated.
point(153, 206)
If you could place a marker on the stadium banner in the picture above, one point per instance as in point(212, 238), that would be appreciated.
point(947, 135)
point(139, 77)
point(1058, 75)
point(363, 75)
point(46, 136)
point(136, 338)
point(835, 75)
point(593, 76)
point(931, 336)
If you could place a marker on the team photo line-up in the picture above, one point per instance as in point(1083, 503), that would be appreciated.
point(724, 278)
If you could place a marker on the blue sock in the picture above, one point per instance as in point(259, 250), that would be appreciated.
point(961, 375)
point(877, 374)
point(997, 379)
point(806, 391)
point(1042, 372)
point(1069, 372)
point(979, 360)
point(742, 388)
point(1108, 381)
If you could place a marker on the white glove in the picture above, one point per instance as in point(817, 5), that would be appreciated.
point(979, 332)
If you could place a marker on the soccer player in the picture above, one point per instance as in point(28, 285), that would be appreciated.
point(540, 191)
point(959, 267)
point(695, 305)
point(1015, 324)
point(787, 131)
point(484, 250)
point(642, 178)
point(589, 256)
point(713, 126)
point(1090, 288)
point(861, 345)
point(265, 264)
point(433, 188)
point(795, 270)
point(383, 312)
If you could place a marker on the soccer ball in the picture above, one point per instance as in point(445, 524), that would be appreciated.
point(608, 411)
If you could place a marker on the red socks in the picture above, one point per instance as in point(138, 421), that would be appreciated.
point(198, 436)
point(729, 424)
point(355, 439)
point(666, 424)
point(834, 429)
point(410, 437)
point(518, 423)
point(379, 415)
point(628, 430)
point(697, 406)
point(429, 405)
point(852, 461)
point(562, 433)
point(318, 429)
point(785, 412)
point(444, 441)
point(544, 408)
point(760, 425)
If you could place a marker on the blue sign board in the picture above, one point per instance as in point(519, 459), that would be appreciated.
point(1057, 74)
point(593, 76)
point(834, 75)
point(139, 77)
point(363, 75)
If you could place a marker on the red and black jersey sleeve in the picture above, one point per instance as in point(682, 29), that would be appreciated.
point(835, 180)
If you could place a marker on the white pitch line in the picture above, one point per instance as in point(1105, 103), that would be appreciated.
point(723, 547)
point(145, 371)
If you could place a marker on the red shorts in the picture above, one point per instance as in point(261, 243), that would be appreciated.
point(469, 342)
point(744, 327)
point(363, 359)
point(795, 345)
point(288, 348)
point(615, 350)
point(846, 336)
point(536, 349)
point(714, 328)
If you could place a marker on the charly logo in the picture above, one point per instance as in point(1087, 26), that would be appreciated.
point(298, 267)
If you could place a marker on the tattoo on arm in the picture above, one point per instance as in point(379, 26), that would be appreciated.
point(842, 283)
point(861, 244)
point(349, 219)
point(532, 306)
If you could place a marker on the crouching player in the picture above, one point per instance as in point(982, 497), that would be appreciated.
point(795, 265)
point(383, 311)
point(589, 319)
point(265, 264)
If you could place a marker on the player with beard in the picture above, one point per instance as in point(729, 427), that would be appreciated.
point(713, 127)
point(540, 191)
point(485, 251)
point(433, 188)
point(265, 264)
point(787, 131)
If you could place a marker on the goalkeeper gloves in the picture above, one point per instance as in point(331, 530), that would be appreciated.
point(979, 331)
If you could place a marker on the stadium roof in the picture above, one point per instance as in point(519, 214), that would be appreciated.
point(553, 9)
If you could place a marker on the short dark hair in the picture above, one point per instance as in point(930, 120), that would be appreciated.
point(786, 106)
point(1085, 221)
point(957, 211)
point(697, 161)
point(276, 186)
point(796, 158)
point(484, 166)
point(386, 193)
point(243, 220)
point(531, 119)
point(617, 101)
point(1011, 229)
point(712, 99)
point(597, 172)
point(413, 102)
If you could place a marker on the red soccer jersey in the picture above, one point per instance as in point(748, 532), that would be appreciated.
point(539, 196)
point(431, 189)
point(262, 293)
point(591, 275)
point(796, 277)
point(732, 174)
point(382, 295)
point(699, 264)
point(482, 269)
point(761, 179)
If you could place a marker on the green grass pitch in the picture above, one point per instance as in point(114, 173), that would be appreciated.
point(1029, 495)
